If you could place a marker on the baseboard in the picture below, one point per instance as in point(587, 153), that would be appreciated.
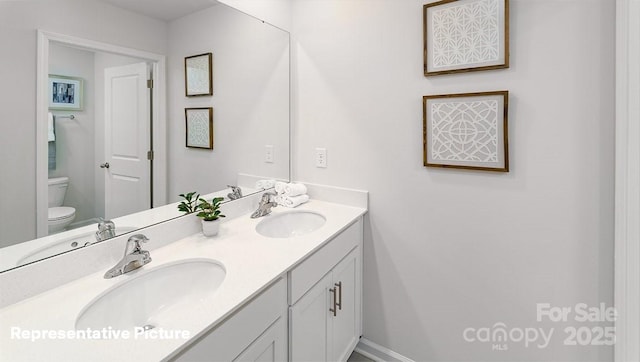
point(378, 353)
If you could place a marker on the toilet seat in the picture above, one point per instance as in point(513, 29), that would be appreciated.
point(61, 213)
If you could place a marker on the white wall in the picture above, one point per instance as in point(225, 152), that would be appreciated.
point(276, 12)
point(250, 100)
point(450, 249)
point(19, 21)
point(75, 138)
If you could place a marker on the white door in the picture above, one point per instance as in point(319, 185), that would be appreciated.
point(127, 139)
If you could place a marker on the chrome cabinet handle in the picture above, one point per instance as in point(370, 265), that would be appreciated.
point(334, 309)
point(104, 165)
point(339, 303)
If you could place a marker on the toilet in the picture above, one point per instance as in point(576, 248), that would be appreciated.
point(59, 216)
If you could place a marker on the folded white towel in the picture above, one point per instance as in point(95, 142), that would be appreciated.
point(294, 189)
point(293, 201)
point(265, 184)
point(279, 186)
point(51, 134)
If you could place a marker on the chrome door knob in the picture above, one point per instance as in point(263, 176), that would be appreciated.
point(105, 165)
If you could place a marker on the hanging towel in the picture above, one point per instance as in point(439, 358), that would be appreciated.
point(265, 184)
point(294, 189)
point(293, 201)
point(52, 141)
point(51, 127)
point(52, 155)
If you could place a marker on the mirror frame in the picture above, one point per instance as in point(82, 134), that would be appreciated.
point(159, 62)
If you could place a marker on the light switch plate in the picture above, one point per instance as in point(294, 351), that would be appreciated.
point(268, 153)
point(321, 157)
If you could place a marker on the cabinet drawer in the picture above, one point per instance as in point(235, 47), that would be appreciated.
point(312, 269)
point(229, 339)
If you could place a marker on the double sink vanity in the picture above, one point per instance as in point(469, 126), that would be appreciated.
point(285, 286)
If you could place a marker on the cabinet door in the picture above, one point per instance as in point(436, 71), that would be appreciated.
point(271, 346)
point(345, 326)
point(308, 321)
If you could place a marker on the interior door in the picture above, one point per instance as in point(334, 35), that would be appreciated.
point(127, 139)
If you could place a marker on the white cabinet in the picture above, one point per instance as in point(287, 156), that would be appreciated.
point(325, 323)
point(257, 332)
point(271, 346)
point(345, 324)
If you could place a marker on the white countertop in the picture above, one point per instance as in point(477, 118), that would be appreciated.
point(14, 255)
point(251, 261)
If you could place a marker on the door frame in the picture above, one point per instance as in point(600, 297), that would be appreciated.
point(158, 111)
point(627, 184)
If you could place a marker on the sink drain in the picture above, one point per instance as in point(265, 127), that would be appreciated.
point(148, 327)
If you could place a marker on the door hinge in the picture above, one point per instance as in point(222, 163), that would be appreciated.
point(150, 83)
point(150, 155)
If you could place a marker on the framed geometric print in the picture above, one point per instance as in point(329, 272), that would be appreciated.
point(465, 35)
point(199, 127)
point(467, 131)
point(198, 75)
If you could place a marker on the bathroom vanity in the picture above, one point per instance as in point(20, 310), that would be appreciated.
point(237, 296)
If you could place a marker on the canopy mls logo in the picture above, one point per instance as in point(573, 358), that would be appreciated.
point(596, 334)
point(500, 336)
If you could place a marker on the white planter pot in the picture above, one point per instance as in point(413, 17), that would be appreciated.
point(210, 228)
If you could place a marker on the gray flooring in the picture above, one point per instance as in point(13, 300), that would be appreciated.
point(357, 357)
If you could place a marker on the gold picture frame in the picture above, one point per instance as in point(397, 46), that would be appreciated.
point(466, 131)
point(198, 75)
point(465, 36)
point(199, 127)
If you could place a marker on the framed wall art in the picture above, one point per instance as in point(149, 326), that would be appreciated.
point(65, 93)
point(465, 35)
point(467, 131)
point(198, 79)
point(199, 127)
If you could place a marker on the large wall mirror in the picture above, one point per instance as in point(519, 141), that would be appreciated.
point(81, 117)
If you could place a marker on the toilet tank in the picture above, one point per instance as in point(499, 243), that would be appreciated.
point(57, 190)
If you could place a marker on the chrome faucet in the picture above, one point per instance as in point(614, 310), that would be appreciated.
point(134, 257)
point(265, 205)
point(106, 230)
point(236, 192)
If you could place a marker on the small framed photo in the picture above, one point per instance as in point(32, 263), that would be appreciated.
point(198, 80)
point(467, 130)
point(65, 93)
point(465, 35)
point(199, 127)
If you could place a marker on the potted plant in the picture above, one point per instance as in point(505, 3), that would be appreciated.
point(209, 212)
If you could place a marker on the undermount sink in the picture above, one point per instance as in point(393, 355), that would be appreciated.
point(67, 243)
point(166, 296)
point(290, 224)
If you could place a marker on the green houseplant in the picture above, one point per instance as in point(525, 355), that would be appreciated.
point(190, 203)
point(209, 212)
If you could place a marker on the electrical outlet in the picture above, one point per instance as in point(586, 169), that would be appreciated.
point(321, 157)
point(268, 154)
